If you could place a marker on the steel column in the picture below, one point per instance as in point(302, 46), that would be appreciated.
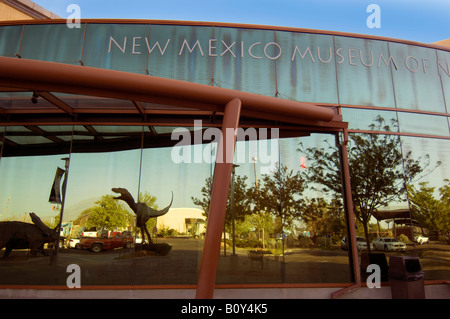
point(348, 202)
point(219, 197)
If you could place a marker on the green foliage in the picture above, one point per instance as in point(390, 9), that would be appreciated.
point(108, 213)
point(430, 211)
point(379, 170)
point(403, 238)
point(274, 206)
point(280, 196)
point(150, 201)
point(167, 232)
point(248, 243)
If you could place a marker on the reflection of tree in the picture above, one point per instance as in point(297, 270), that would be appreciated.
point(279, 195)
point(108, 213)
point(378, 170)
point(323, 219)
point(204, 202)
point(432, 213)
point(276, 196)
point(150, 200)
point(241, 200)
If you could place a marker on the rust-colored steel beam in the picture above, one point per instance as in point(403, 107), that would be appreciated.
point(351, 218)
point(219, 197)
point(66, 78)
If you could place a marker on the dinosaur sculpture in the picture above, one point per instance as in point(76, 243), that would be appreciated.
point(143, 211)
point(19, 235)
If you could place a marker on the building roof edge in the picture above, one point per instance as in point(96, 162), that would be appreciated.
point(31, 9)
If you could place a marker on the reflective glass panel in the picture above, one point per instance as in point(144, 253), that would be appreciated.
point(243, 59)
point(361, 119)
point(364, 72)
point(32, 194)
point(306, 68)
point(56, 43)
point(444, 72)
point(121, 47)
point(416, 80)
point(429, 197)
point(10, 40)
point(180, 52)
point(423, 124)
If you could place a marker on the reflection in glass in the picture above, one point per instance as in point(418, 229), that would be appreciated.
point(429, 199)
point(284, 230)
point(417, 81)
point(379, 169)
point(423, 124)
point(27, 182)
point(168, 172)
point(362, 119)
point(364, 72)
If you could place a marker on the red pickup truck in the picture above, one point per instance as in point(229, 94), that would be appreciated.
point(97, 244)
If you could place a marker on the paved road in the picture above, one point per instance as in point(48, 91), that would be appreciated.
point(181, 265)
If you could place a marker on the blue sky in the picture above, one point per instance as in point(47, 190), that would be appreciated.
point(416, 20)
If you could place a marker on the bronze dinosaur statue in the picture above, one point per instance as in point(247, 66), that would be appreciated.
point(20, 235)
point(143, 211)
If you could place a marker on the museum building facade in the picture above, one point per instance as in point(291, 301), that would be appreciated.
point(294, 143)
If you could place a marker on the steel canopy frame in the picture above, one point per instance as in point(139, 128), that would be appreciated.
point(47, 78)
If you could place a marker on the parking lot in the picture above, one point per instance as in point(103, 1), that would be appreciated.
point(180, 266)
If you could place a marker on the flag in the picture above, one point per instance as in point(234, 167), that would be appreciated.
point(55, 193)
point(303, 162)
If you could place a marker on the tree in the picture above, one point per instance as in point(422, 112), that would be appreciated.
point(150, 200)
point(108, 213)
point(241, 200)
point(432, 213)
point(204, 202)
point(323, 218)
point(379, 171)
point(280, 196)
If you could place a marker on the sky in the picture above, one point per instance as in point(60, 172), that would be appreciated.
point(414, 20)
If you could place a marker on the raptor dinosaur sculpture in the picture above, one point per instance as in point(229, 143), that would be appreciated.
point(143, 211)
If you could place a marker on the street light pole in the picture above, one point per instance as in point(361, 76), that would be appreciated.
point(233, 213)
point(255, 159)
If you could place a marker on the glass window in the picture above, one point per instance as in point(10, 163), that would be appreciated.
point(423, 124)
point(123, 47)
point(244, 59)
point(364, 72)
point(277, 235)
point(363, 119)
point(306, 68)
point(31, 208)
point(10, 37)
point(416, 80)
point(52, 42)
point(180, 52)
point(315, 219)
point(429, 198)
point(444, 72)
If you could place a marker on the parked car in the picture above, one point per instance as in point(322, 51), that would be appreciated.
point(75, 243)
point(98, 244)
point(419, 239)
point(388, 244)
point(91, 232)
point(360, 243)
